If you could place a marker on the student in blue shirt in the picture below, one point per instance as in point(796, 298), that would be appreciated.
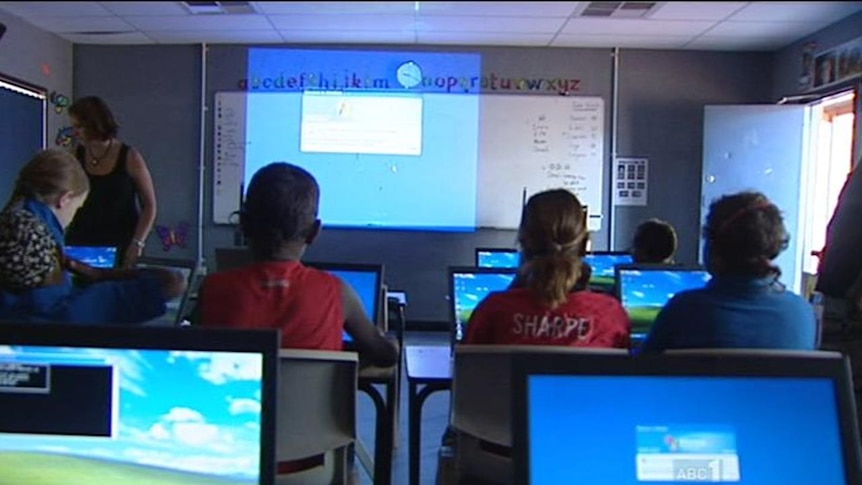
point(744, 305)
point(35, 275)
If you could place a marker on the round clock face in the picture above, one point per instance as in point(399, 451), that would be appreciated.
point(409, 74)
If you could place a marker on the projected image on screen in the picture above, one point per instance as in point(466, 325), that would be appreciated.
point(602, 266)
point(683, 430)
point(472, 288)
point(108, 416)
point(380, 152)
point(644, 293)
point(345, 123)
point(95, 256)
point(498, 259)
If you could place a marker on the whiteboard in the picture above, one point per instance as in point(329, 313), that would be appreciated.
point(527, 144)
point(534, 143)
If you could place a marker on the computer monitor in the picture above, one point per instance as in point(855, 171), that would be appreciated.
point(497, 258)
point(764, 420)
point(365, 279)
point(602, 264)
point(176, 308)
point(131, 404)
point(644, 289)
point(467, 287)
point(95, 256)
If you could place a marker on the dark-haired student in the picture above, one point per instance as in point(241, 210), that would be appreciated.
point(744, 305)
point(551, 305)
point(35, 273)
point(311, 307)
point(655, 241)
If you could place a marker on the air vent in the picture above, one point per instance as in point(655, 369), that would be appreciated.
point(618, 9)
point(211, 8)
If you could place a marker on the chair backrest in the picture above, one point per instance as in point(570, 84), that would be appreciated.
point(316, 402)
point(482, 383)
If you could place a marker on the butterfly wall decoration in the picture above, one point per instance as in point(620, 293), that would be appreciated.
point(172, 237)
point(65, 137)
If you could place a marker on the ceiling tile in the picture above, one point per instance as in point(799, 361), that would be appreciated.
point(131, 38)
point(473, 38)
point(342, 22)
point(629, 41)
point(318, 8)
point(216, 37)
point(636, 27)
point(696, 10)
point(534, 25)
point(197, 23)
point(349, 36)
point(789, 30)
point(797, 11)
point(734, 43)
point(70, 9)
point(145, 8)
point(503, 9)
point(61, 25)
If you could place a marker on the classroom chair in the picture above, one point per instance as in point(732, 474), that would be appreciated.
point(316, 416)
point(481, 407)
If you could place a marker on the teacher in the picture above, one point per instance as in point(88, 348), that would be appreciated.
point(121, 208)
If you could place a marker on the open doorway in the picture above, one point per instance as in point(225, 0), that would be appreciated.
point(829, 163)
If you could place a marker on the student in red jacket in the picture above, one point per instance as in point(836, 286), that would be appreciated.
point(309, 306)
point(550, 307)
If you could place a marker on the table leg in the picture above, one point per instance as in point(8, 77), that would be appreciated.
point(382, 436)
point(414, 408)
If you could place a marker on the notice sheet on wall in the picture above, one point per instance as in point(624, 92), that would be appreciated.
point(630, 181)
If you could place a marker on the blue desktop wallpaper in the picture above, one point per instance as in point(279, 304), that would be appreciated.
point(97, 257)
point(472, 288)
point(498, 259)
point(644, 293)
point(367, 286)
point(602, 266)
point(181, 418)
point(783, 430)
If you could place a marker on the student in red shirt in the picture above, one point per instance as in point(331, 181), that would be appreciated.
point(309, 306)
point(551, 306)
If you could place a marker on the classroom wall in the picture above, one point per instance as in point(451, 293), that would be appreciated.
point(787, 63)
point(154, 93)
point(662, 95)
point(40, 58)
point(661, 99)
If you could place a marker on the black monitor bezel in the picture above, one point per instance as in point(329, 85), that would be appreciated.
point(491, 250)
point(377, 268)
point(450, 275)
point(836, 369)
point(263, 341)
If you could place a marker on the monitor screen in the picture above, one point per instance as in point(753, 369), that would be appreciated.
point(645, 291)
point(95, 256)
point(365, 279)
point(497, 258)
point(602, 266)
point(471, 286)
point(683, 429)
point(176, 306)
point(164, 411)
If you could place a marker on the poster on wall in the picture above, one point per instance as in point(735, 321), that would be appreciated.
point(806, 75)
point(630, 181)
point(839, 64)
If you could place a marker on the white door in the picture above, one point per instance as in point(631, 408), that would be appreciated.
point(761, 148)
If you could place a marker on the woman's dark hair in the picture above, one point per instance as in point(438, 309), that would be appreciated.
point(280, 207)
point(745, 231)
point(95, 117)
point(553, 237)
point(655, 241)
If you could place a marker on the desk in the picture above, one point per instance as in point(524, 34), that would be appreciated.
point(384, 423)
point(430, 368)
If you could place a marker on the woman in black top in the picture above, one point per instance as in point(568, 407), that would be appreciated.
point(121, 208)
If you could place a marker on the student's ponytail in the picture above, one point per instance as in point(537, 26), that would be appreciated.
point(553, 239)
